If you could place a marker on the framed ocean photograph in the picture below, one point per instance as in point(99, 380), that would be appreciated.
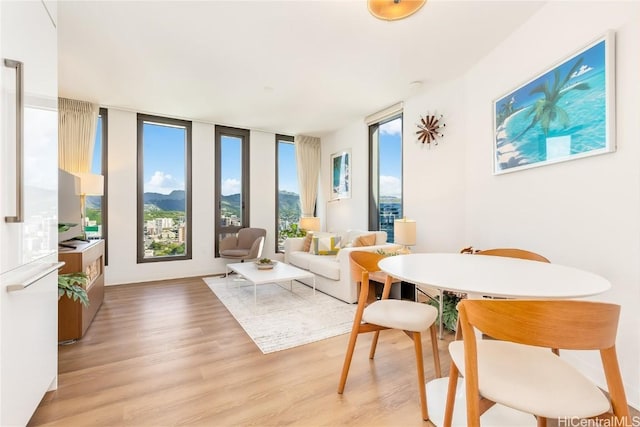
point(341, 175)
point(562, 114)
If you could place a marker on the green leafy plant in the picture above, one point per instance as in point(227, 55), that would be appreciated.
point(292, 231)
point(264, 261)
point(72, 285)
point(449, 311)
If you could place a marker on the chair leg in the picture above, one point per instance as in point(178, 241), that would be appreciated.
point(347, 359)
point(436, 351)
point(417, 343)
point(374, 344)
point(451, 395)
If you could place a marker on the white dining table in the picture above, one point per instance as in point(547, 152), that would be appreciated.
point(495, 276)
point(489, 276)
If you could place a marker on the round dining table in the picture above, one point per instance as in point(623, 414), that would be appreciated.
point(494, 276)
point(481, 276)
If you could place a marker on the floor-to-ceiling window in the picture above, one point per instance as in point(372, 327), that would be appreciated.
point(164, 189)
point(232, 182)
point(385, 172)
point(288, 197)
point(96, 206)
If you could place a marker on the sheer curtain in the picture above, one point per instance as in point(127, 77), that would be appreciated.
point(77, 121)
point(308, 159)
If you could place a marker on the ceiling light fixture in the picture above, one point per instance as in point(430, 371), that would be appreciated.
point(391, 10)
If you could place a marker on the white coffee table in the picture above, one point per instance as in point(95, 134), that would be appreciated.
point(280, 272)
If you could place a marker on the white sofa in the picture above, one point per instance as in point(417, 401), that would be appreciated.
point(333, 273)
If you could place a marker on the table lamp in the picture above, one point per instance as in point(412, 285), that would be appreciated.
point(310, 223)
point(404, 232)
point(87, 184)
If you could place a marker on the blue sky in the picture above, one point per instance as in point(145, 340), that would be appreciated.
point(164, 161)
point(96, 166)
point(390, 143)
point(164, 158)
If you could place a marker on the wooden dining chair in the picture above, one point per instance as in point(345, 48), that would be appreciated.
point(513, 253)
point(411, 317)
point(516, 370)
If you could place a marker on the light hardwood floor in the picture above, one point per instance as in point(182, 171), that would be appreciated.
point(169, 353)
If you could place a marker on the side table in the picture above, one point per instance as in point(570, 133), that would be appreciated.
point(73, 318)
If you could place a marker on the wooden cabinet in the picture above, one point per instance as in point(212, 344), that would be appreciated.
point(73, 317)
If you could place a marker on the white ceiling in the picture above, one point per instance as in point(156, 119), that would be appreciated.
point(297, 66)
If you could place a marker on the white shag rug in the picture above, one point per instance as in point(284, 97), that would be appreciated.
point(282, 319)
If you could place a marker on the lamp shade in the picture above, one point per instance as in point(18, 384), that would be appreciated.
point(404, 232)
point(89, 184)
point(390, 10)
point(310, 223)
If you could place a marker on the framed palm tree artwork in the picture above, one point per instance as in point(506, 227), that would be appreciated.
point(565, 113)
point(341, 175)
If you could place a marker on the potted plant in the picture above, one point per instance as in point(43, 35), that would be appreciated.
point(449, 311)
point(72, 285)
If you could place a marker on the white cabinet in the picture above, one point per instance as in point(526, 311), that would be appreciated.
point(29, 340)
point(28, 207)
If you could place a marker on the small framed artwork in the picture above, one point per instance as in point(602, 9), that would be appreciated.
point(563, 114)
point(341, 175)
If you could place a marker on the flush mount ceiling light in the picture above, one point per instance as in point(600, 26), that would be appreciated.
point(391, 10)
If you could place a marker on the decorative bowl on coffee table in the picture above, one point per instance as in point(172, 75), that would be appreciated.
point(265, 264)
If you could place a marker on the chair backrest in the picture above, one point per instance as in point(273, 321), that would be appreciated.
point(246, 236)
point(567, 324)
point(512, 253)
point(363, 262)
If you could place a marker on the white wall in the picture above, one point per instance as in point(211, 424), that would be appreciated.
point(122, 266)
point(433, 180)
point(345, 214)
point(583, 213)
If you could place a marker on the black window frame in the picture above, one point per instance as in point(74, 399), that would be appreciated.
point(289, 139)
point(245, 136)
point(141, 119)
point(104, 204)
point(374, 204)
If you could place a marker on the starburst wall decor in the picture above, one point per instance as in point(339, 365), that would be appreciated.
point(429, 129)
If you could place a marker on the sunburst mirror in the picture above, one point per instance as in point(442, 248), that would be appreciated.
point(429, 129)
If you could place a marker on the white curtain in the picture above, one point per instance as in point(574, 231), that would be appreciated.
point(308, 161)
point(77, 121)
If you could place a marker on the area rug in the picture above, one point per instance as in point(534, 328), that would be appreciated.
point(280, 318)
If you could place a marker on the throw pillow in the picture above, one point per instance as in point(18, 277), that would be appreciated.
point(325, 245)
point(306, 243)
point(365, 240)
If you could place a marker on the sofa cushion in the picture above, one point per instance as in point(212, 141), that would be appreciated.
point(325, 245)
point(300, 259)
point(306, 243)
point(326, 266)
point(364, 240)
point(349, 236)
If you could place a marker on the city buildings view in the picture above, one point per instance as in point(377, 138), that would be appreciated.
point(165, 221)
